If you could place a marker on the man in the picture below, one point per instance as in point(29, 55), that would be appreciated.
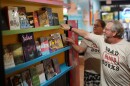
point(91, 52)
point(115, 53)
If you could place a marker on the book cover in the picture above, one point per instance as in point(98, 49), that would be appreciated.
point(8, 57)
point(38, 47)
point(56, 65)
point(49, 15)
point(29, 47)
point(35, 17)
point(52, 45)
point(17, 51)
point(63, 37)
point(24, 23)
point(30, 18)
point(43, 18)
point(48, 68)
point(34, 76)
point(58, 40)
point(16, 80)
point(41, 73)
point(26, 78)
point(55, 18)
point(44, 45)
point(12, 17)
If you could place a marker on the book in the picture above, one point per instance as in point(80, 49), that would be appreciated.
point(24, 23)
point(8, 57)
point(55, 18)
point(30, 18)
point(16, 80)
point(48, 10)
point(12, 17)
point(63, 37)
point(44, 45)
point(58, 40)
point(48, 68)
point(56, 65)
point(17, 51)
point(52, 45)
point(28, 44)
point(41, 73)
point(38, 47)
point(43, 18)
point(26, 78)
point(34, 76)
point(35, 17)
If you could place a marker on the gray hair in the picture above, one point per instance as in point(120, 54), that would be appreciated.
point(117, 27)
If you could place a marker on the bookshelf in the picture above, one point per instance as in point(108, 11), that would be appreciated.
point(11, 36)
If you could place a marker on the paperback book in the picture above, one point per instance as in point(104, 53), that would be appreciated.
point(55, 19)
point(49, 70)
point(41, 73)
point(56, 65)
point(29, 47)
point(8, 57)
point(17, 51)
point(44, 45)
point(26, 78)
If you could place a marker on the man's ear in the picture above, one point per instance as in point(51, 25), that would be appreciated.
point(114, 33)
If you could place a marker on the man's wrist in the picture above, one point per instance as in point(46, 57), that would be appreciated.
point(70, 28)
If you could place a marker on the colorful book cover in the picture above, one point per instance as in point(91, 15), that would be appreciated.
point(28, 44)
point(43, 18)
point(12, 17)
point(8, 57)
point(24, 23)
point(26, 78)
point(34, 76)
point(49, 15)
point(30, 19)
point(48, 68)
point(55, 18)
point(52, 45)
point(38, 47)
point(58, 40)
point(35, 17)
point(74, 56)
point(63, 37)
point(17, 51)
point(41, 73)
point(56, 65)
point(16, 80)
point(44, 45)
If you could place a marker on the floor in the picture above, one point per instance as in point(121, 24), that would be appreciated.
point(81, 61)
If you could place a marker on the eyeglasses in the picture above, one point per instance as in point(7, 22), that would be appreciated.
point(107, 29)
point(96, 25)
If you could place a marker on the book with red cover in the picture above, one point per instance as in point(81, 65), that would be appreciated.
point(74, 56)
point(35, 18)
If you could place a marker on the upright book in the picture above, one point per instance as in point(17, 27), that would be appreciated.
point(17, 51)
point(24, 23)
point(26, 78)
point(28, 44)
point(49, 70)
point(8, 57)
point(55, 18)
point(12, 17)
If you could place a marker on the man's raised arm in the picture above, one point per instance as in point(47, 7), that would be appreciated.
point(80, 32)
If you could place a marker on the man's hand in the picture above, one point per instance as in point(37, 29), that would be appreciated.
point(71, 41)
point(65, 26)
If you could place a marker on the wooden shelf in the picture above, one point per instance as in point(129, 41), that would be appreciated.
point(64, 69)
point(31, 62)
point(11, 32)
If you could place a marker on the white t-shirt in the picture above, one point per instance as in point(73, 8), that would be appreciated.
point(115, 61)
point(92, 50)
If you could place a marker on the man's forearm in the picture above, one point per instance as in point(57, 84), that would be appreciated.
point(77, 48)
point(80, 32)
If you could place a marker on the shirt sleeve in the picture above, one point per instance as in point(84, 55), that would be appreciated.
point(128, 59)
point(83, 44)
point(97, 39)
